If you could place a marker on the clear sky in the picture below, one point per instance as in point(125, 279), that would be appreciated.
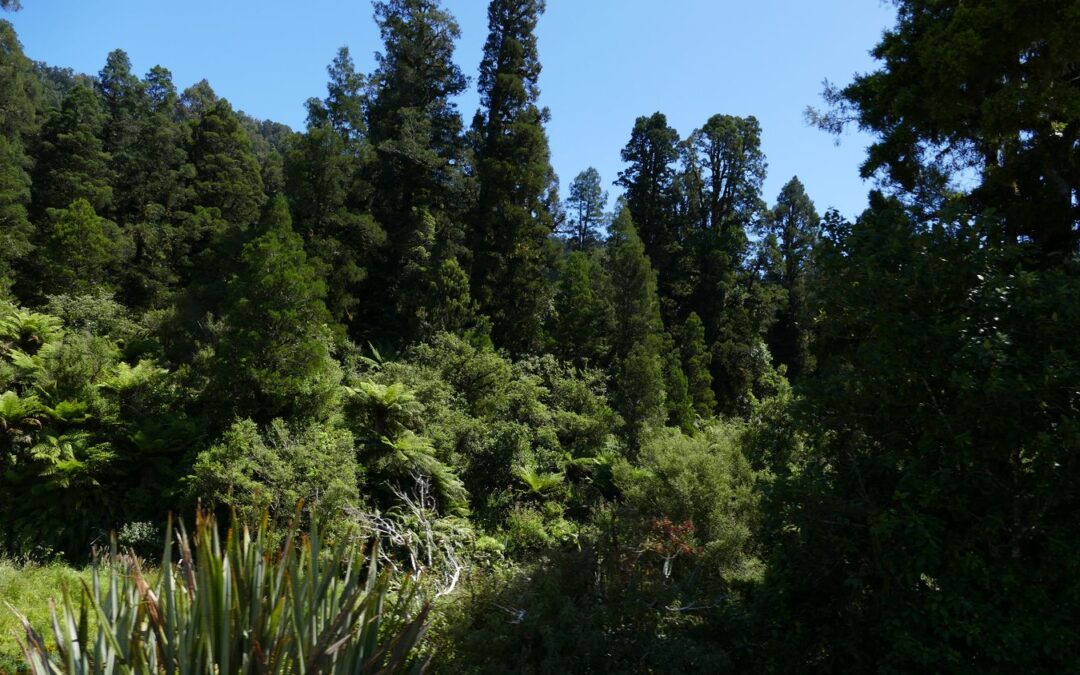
point(605, 62)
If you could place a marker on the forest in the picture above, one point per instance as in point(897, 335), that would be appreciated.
point(379, 373)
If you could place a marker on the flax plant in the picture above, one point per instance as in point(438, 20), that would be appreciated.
point(235, 606)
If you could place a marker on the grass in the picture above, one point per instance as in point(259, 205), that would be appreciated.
point(29, 588)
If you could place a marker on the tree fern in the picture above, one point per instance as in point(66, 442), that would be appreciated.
point(410, 454)
point(539, 483)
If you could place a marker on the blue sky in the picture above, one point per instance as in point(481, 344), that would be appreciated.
point(606, 62)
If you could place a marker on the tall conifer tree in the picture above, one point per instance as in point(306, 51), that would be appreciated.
point(18, 100)
point(512, 253)
point(649, 184)
point(725, 169)
point(637, 342)
point(416, 130)
point(72, 162)
point(585, 211)
point(273, 358)
point(791, 227)
point(329, 192)
point(227, 174)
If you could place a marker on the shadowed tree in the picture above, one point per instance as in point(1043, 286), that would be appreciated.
point(18, 100)
point(791, 229)
point(416, 130)
point(71, 160)
point(226, 172)
point(512, 223)
point(584, 322)
point(648, 181)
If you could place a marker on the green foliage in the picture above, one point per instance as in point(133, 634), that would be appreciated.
point(453, 310)
point(30, 587)
point(75, 453)
point(224, 600)
point(633, 287)
point(792, 229)
point(595, 604)
point(585, 318)
point(697, 361)
point(277, 334)
point(385, 410)
point(97, 313)
point(649, 180)
point(512, 222)
point(80, 250)
point(677, 401)
point(985, 87)
point(252, 472)
point(410, 456)
point(704, 480)
point(20, 92)
point(891, 485)
point(227, 174)
point(419, 184)
point(72, 162)
point(639, 392)
point(328, 191)
point(538, 483)
point(16, 232)
point(942, 433)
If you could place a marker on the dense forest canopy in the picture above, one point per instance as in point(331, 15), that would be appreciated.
point(694, 428)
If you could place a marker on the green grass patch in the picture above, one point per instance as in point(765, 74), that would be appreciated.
point(29, 588)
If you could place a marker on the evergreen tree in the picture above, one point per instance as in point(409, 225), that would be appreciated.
point(648, 181)
point(677, 398)
point(416, 130)
point(791, 227)
point(345, 102)
point(329, 194)
point(273, 357)
point(586, 210)
point(988, 87)
point(20, 92)
point(71, 161)
point(18, 99)
point(637, 341)
point(453, 309)
point(942, 411)
point(416, 80)
point(79, 251)
point(726, 168)
point(226, 172)
point(268, 143)
point(512, 253)
point(639, 392)
point(697, 364)
point(584, 319)
point(196, 100)
point(163, 187)
point(16, 231)
point(633, 282)
point(155, 207)
point(123, 100)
